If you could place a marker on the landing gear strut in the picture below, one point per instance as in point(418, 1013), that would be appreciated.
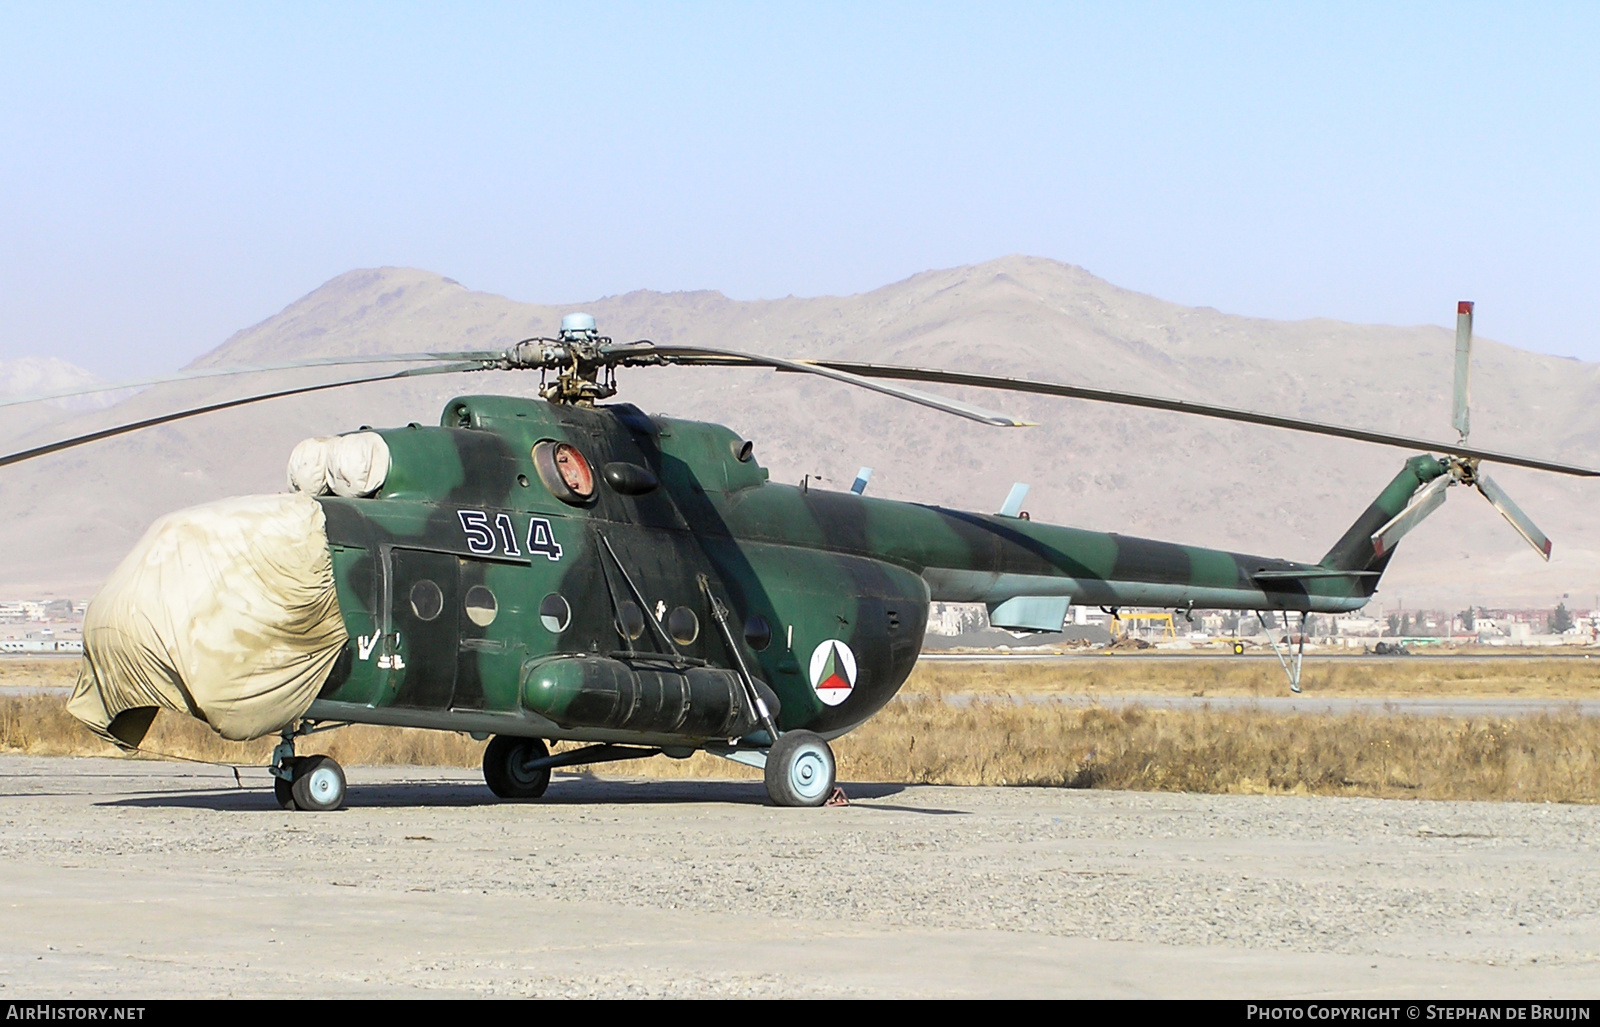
point(1290, 657)
point(283, 787)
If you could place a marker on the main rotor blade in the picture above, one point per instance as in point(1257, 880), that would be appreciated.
point(151, 422)
point(984, 381)
point(221, 372)
point(1422, 504)
point(1513, 513)
point(637, 353)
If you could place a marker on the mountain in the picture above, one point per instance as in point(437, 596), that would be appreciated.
point(28, 376)
point(68, 519)
point(33, 376)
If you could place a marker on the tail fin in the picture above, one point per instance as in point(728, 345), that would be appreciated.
point(1355, 551)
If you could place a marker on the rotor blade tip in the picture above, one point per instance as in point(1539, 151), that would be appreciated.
point(1464, 307)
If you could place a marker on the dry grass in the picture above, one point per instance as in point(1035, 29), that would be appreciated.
point(1523, 677)
point(39, 725)
point(55, 672)
point(920, 738)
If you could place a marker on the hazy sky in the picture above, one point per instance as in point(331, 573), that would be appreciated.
point(170, 174)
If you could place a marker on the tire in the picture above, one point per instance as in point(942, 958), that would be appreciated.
point(800, 770)
point(505, 767)
point(318, 784)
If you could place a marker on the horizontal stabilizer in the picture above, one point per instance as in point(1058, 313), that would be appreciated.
point(1030, 613)
point(1311, 572)
point(1426, 502)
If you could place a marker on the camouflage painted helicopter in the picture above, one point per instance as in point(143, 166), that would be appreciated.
point(561, 569)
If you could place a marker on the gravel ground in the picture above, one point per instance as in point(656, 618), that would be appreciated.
point(146, 879)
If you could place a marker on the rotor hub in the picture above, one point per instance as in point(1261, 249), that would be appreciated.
point(1462, 469)
point(584, 371)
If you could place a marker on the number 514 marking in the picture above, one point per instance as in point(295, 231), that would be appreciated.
point(499, 537)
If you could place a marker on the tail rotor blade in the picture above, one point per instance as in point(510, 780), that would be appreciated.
point(1513, 513)
point(1462, 418)
point(1422, 504)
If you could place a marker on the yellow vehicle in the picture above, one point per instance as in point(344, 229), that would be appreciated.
point(1119, 626)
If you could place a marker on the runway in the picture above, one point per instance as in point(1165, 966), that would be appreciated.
point(1341, 657)
point(137, 879)
point(1310, 704)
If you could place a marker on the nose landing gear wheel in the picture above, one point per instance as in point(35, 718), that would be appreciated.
point(318, 784)
point(506, 771)
point(800, 770)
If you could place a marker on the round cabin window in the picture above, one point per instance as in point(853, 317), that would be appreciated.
point(554, 613)
point(683, 625)
point(426, 600)
point(757, 632)
point(564, 471)
point(481, 606)
point(630, 621)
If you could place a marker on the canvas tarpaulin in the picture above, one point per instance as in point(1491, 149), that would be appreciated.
point(225, 611)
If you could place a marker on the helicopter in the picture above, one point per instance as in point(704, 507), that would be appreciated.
point(566, 569)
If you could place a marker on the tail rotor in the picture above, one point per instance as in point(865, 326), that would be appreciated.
point(1461, 470)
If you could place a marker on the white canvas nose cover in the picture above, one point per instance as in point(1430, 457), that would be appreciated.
point(225, 611)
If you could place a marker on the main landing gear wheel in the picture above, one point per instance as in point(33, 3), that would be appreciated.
point(506, 771)
point(318, 784)
point(800, 770)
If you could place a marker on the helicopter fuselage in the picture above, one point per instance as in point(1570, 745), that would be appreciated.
point(481, 594)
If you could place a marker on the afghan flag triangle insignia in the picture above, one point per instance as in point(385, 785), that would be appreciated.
point(833, 672)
